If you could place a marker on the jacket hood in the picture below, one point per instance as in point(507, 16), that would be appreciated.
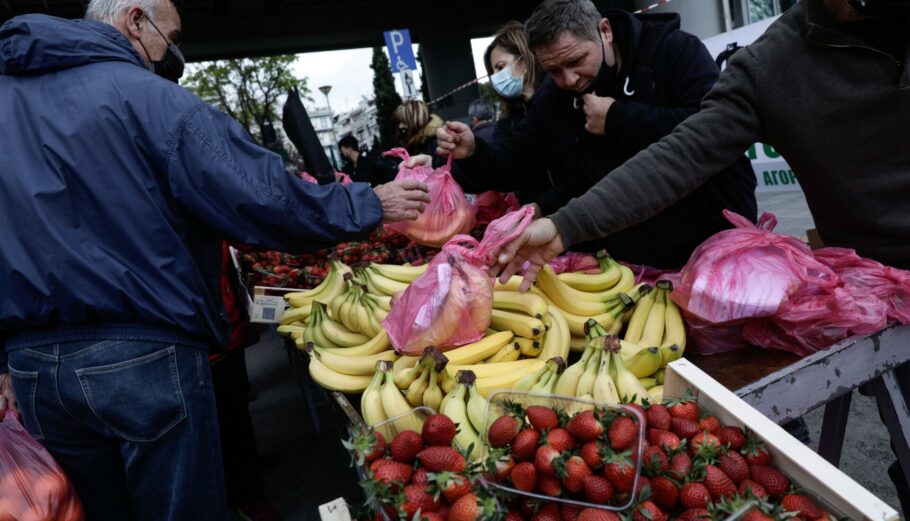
point(38, 44)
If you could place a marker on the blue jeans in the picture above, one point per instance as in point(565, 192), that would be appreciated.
point(133, 424)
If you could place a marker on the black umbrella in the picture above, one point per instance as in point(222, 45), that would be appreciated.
point(300, 131)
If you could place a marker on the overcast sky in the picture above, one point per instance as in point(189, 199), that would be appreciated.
point(350, 75)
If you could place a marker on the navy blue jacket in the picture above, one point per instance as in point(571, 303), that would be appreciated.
point(117, 188)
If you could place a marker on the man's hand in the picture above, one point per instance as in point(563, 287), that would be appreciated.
point(596, 109)
point(7, 395)
point(455, 138)
point(537, 245)
point(402, 200)
point(415, 161)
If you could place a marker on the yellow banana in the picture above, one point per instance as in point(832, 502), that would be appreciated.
point(656, 394)
point(604, 387)
point(333, 380)
point(371, 401)
point(290, 330)
point(569, 299)
point(576, 323)
point(639, 317)
point(527, 303)
point(341, 336)
point(394, 404)
point(432, 397)
point(669, 354)
point(383, 302)
point(477, 409)
point(592, 367)
point(354, 365)
point(414, 394)
point(624, 285)
point(456, 409)
point(528, 346)
point(577, 344)
point(384, 285)
point(485, 370)
point(645, 362)
point(508, 353)
point(674, 329)
point(479, 350)
point(296, 314)
point(556, 342)
point(659, 376)
point(628, 387)
point(513, 284)
point(568, 380)
point(521, 325)
point(405, 376)
point(331, 285)
point(398, 273)
point(506, 380)
point(653, 332)
point(647, 383)
point(593, 283)
point(372, 346)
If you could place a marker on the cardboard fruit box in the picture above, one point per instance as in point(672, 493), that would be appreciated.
point(804, 466)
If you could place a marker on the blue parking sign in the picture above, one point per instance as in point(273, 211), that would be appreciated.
point(398, 42)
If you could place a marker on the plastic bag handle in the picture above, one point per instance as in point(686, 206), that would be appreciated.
point(766, 222)
point(505, 229)
point(398, 152)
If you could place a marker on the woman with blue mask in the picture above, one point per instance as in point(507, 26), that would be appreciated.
point(514, 75)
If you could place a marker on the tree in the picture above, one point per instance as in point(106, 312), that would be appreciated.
point(247, 89)
point(387, 98)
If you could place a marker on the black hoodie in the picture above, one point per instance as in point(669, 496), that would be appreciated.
point(664, 75)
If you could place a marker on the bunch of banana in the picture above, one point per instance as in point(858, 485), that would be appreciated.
point(556, 341)
point(358, 310)
point(405, 273)
point(481, 349)
point(332, 380)
point(640, 361)
point(544, 379)
point(371, 400)
point(605, 390)
point(424, 388)
point(378, 283)
point(394, 404)
point(583, 303)
point(450, 376)
point(628, 388)
point(656, 321)
point(454, 406)
point(328, 289)
point(592, 283)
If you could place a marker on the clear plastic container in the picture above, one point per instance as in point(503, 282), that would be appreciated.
point(571, 405)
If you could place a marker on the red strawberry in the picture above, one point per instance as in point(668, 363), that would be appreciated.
point(755, 453)
point(573, 474)
point(503, 431)
point(756, 515)
point(502, 466)
point(512, 515)
point(376, 464)
point(524, 445)
point(524, 477)
point(663, 439)
point(596, 514)
point(704, 439)
point(437, 459)
point(757, 490)
point(694, 514)
point(548, 512)
point(719, 484)
point(638, 408)
point(405, 446)
point(664, 492)
point(623, 433)
point(644, 488)
point(620, 472)
point(710, 424)
point(568, 512)
point(597, 490)
point(654, 461)
point(416, 497)
point(378, 449)
point(438, 429)
point(735, 466)
point(684, 427)
point(680, 465)
point(467, 508)
point(772, 479)
point(420, 477)
point(592, 452)
point(561, 440)
point(549, 486)
point(585, 426)
point(542, 418)
point(732, 436)
point(658, 416)
point(801, 504)
point(452, 486)
point(648, 511)
point(544, 460)
point(389, 472)
point(694, 495)
point(685, 409)
point(366, 445)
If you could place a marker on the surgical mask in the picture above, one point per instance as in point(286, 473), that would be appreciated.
point(171, 66)
point(506, 85)
point(881, 7)
point(605, 78)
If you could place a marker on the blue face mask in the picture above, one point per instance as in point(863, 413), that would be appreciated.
point(506, 85)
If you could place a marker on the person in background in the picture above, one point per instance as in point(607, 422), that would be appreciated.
point(364, 166)
point(482, 114)
point(117, 192)
point(417, 128)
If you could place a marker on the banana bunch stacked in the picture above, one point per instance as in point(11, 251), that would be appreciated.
point(467, 408)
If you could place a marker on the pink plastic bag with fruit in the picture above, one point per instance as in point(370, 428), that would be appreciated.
point(32, 485)
point(446, 215)
point(450, 304)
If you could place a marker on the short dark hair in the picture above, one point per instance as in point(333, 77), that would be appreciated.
point(349, 141)
point(481, 109)
point(552, 18)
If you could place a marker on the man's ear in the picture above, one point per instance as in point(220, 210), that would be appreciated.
point(134, 18)
point(606, 30)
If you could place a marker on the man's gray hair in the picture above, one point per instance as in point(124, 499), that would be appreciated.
point(108, 11)
point(480, 109)
point(552, 18)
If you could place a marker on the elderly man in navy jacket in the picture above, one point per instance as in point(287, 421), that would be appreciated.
point(117, 187)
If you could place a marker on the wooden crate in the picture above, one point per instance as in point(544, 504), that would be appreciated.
point(803, 465)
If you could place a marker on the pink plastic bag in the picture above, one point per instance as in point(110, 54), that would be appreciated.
point(419, 173)
point(573, 262)
point(651, 275)
point(451, 302)
point(446, 215)
point(748, 271)
point(705, 338)
point(343, 178)
point(490, 206)
point(308, 178)
point(866, 276)
point(32, 485)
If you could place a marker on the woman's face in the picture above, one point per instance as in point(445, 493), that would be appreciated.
point(501, 58)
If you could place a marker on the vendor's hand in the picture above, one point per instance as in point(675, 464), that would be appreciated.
point(7, 394)
point(455, 138)
point(415, 161)
point(402, 200)
point(538, 213)
point(596, 109)
point(537, 245)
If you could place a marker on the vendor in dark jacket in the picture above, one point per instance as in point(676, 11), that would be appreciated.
point(364, 166)
point(617, 84)
point(116, 190)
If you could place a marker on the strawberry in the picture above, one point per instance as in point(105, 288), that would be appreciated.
point(585, 426)
point(438, 429)
point(623, 433)
point(801, 504)
point(735, 466)
point(568, 512)
point(719, 484)
point(524, 477)
point(663, 439)
point(694, 514)
point(680, 465)
point(664, 492)
point(597, 490)
point(684, 427)
point(573, 473)
point(639, 408)
point(592, 452)
point(756, 515)
point(420, 477)
point(544, 460)
point(620, 472)
point(732, 436)
point(561, 439)
point(392, 472)
point(747, 485)
point(755, 453)
point(503, 431)
point(405, 446)
point(548, 512)
point(694, 495)
point(596, 514)
point(417, 497)
point(549, 486)
point(525, 445)
point(658, 416)
point(702, 441)
point(648, 511)
point(771, 479)
point(542, 418)
point(512, 515)
point(437, 459)
point(499, 465)
point(644, 488)
point(709, 424)
point(366, 445)
point(654, 461)
point(687, 409)
point(430, 516)
point(452, 485)
point(467, 508)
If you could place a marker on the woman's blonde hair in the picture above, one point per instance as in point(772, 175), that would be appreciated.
point(511, 37)
point(415, 114)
